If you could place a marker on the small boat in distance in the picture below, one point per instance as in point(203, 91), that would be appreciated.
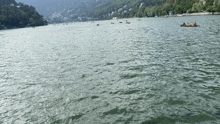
point(127, 22)
point(189, 25)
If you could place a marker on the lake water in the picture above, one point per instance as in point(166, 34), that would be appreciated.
point(147, 72)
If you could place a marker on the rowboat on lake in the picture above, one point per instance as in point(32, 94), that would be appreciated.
point(189, 26)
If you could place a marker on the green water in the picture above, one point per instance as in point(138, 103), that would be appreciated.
point(147, 72)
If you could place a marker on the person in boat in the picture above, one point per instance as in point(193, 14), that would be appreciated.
point(184, 24)
point(188, 24)
point(194, 24)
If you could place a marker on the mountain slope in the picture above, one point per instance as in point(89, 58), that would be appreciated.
point(49, 7)
point(119, 7)
point(69, 10)
point(105, 9)
point(14, 15)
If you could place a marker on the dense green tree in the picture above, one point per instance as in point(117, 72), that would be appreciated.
point(21, 24)
point(216, 5)
point(151, 11)
point(209, 3)
point(165, 8)
point(197, 7)
point(178, 9)
point(140, 14)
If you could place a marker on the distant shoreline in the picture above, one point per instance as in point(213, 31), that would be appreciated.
point(179, 15)
point(195, 14)
point(4, 29)
point(201, 13)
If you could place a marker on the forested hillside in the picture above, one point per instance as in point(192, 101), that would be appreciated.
point(123, 8)
point(103, 9)
point(57, 11)
point(106, 9)
point(182, 6)
point(17, 15)
point(151, 8)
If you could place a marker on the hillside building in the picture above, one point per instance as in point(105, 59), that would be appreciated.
point(203, 1)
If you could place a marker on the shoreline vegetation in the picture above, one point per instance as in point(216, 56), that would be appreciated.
point(15, 15)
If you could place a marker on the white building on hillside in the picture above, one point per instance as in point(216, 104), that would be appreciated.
point(203, 1)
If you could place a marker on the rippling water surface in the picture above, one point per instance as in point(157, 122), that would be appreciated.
point(151, 71)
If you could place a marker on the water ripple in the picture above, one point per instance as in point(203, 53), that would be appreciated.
point(151, 71)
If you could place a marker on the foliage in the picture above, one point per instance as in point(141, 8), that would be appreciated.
point(19, 15)
point(216, 5)
point(197, 7)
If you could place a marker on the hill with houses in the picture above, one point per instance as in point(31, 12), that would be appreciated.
point(152, 8)
point(107, 9)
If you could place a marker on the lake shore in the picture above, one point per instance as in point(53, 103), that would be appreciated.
point(184, 14)
point(201, 13)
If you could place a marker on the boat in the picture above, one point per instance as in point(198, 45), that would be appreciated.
point(189, 26)
point(127, 22)
point(179, 15)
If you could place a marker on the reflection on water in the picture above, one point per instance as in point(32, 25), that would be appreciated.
point(151, 71)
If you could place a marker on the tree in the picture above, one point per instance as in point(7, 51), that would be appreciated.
point(32, 22)
point(150, 11)
point(178, 9)
point(197, 7)
point(21, 24)
point(216, 5)
point(166, 7)
point(209, 3)
point(210, 9)
point(140, 14)
point(3, 18)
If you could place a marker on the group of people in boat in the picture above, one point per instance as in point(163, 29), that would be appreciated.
point(184, 24)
